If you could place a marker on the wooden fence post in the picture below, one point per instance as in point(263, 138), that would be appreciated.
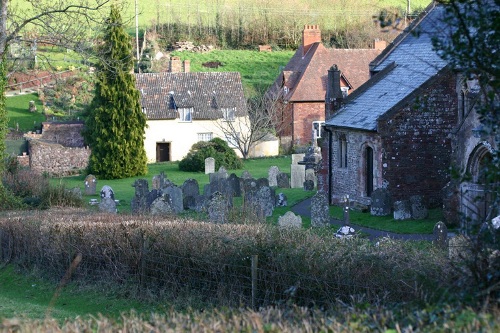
point(255, 261)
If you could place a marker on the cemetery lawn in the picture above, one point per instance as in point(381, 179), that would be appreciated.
point(18, 113)
point(27, 296)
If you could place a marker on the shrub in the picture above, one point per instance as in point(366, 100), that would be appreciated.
point(216, 148)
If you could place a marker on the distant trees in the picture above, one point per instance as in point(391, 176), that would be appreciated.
point(116, 124)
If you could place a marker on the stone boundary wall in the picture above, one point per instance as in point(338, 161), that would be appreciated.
point(57, 160)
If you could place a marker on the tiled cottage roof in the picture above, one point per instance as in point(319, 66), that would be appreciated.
point(306, 76)
point(402, 68)
point(206, 93)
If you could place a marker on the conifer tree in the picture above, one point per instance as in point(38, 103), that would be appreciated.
point(115, 125)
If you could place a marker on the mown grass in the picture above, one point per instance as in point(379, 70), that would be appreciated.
point(18, 113)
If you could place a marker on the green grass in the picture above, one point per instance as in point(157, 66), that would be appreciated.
point(258, 69)
point(25, 295)
point(18, 113)
point(388, 223)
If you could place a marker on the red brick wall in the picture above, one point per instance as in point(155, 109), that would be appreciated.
point(303, 116)
point(416, 142)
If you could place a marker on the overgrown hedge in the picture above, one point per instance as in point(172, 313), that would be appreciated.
point(216, 148)
point(211, 263)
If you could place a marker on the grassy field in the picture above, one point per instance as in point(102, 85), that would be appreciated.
point(18, 113)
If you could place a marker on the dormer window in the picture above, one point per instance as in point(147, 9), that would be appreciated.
point(345, 91)
point(185, 114)
point(228, 114)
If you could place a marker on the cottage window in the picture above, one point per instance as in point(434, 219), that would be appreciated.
point(185, 114)
point(228, 114)
point(342, 151)
point(205, 136)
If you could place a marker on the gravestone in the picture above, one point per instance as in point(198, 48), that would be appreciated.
point(90, 185)
point(282, 180)
point(246, 175)
point(158, 181)
point(107, 205)
point(175, 198)
point(281, 200)
point(381, 203)
point(290, 220)
point(107, 192)
point(320, 210)
point(308, 185)
point(234, 185)
point(209, 165)
point(139, 203)
point(261, 199)
point(402, 210)
point(162, 206)
point(262, 182)
point(76, 192)
point(440, 233)
point(221, 174)
point(297, 175)
point(272, 174)
point(418, 209)
point(296, 158)
point(310, 174)
point(190, 192)
point(217, 208)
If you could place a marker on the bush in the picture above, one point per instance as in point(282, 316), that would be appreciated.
point(216, 148)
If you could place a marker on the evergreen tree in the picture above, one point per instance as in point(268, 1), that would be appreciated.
point(115, 125)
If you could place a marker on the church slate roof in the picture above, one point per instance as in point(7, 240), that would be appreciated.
point(404, 66)
point(207, 93)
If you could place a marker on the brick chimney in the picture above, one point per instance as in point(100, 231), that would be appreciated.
point(175, 65)
point(187, 66)
point(310, 35)
point(334, 96)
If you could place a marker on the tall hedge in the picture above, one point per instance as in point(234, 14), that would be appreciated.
point(115, 126)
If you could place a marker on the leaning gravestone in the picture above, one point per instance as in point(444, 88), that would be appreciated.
point(283, 180)
point(402, 210)
point(209, 165)
point(272, 173)
point(217, 208)
point(381, 203)
point(107, 205)
point(290, 220)
point(418, 209)
point(107, 192)
point(440, 235)
point(90, 185)
point(320, 211)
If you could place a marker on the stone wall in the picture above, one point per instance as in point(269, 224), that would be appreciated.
point(417, 141)
point(67, 134)
point(56, 159)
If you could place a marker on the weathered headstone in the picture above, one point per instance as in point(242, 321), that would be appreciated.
point(107, 192)
point(139, 203)
point(221, 174)
point(272, 173)
point(418, 209)
point(76, 192)
point(261, 199)
point(281, 200)
point(282, 180)
point(308, 185)
point(190, 191)
point(290, 220)
point(296, 158)
point(440, 235)
point(310, 174)
point(90, 185)
point(246, 175)
point(162, 206)
point(175, 195)
point(209, 165)
point(158, 181)
point(297, 175)
point(320, 211)
point(402, 210)
point(107, 205)
point(217, 208)
point(262, 182)
point(381, 203)
point(234, 184)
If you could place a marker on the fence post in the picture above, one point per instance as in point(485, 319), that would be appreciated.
point(145, 246)
point(255, 261)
